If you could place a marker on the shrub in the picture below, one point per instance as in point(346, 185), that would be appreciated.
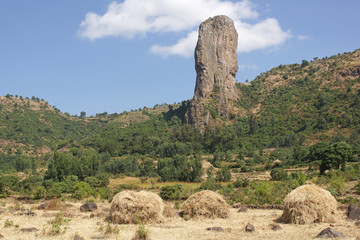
point(223, 175)
point(8, 223)
point(263, 193)
point(8, 183)
point(357, 187)
point(227, 190)
point(171, 192)
point(210, 185)
point(304, 63)
point(104, 193)
point(56, 224)
point(103, 179)
point(241, 183)
point(48, 183)
point(81, 190)
point(56, 190)
point(247, 169)
point(112, 229)
point(141, 233)
point(278, 174)
point(92, 181)
point(39, 192)
point(299, 177)
point(238, 183)
point(337, 185)
point(70, 181)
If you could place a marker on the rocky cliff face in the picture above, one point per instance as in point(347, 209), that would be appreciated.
point(216, 67)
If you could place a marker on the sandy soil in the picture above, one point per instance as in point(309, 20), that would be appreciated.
point(172, 228)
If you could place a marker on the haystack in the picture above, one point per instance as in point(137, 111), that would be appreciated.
point(309, 204)
point(206, 204)
point(128, 206)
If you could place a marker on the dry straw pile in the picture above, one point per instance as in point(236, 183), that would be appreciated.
point(206, 204)
point(128, 206)
point(309, 204)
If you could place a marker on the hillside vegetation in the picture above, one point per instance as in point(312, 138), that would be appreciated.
point(301, 115)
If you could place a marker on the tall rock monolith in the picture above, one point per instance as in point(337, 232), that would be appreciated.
point(216, 67)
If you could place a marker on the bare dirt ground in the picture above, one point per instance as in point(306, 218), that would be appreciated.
point(94, 227)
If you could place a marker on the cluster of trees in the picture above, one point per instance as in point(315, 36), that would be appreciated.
point(79, 163)
point(331, 156)
point(89, 163)
point(43, 128)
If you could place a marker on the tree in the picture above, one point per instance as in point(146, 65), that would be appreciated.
point(299, 153)
point(316, 151)
point(59, 166)
point(252, 123)
point(8, 183)
point(335, 156)
point(304, 63)
point(82, 114)
point(223, 175)
point(196, 168)
point(278, 174)
point(147, 168)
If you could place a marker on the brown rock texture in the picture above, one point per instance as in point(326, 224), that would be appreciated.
point(216, 67)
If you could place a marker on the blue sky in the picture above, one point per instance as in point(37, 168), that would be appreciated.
point(100, 55)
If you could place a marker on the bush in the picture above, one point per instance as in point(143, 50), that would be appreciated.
point(278, 174)
point(241, 183)
point(56, 190)
point(8, 183)
point(210, 185)
point(171, 192)
point(264, 193)
point(357, 187)
point(82, 190)
point(70, 181)
point(39, 192)
point(104, 193)
point(103, 179)
point(92, 181)
point(246, 169)
point(337, 183)
point(48, 183)
point(299, 177)
point(227, 190)
point(223, 175)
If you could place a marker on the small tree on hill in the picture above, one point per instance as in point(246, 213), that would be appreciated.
point(335, 156)
point(82, 114)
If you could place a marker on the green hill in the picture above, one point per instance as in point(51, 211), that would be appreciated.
point(289, 109)
point(288, 105)
point(33, 127)
point(316, 99)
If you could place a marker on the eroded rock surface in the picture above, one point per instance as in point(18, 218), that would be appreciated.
point(216, 67)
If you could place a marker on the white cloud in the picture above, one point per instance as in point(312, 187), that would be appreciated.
point(303, 37)
point(132, 17)
point(184, 47)
point(264, 34)
point(139, 17)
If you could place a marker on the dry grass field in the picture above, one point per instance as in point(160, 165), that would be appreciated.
point(14, 219)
